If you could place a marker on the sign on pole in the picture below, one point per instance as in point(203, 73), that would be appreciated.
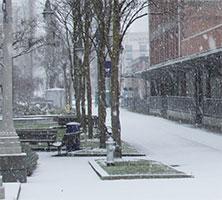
point(108, 66)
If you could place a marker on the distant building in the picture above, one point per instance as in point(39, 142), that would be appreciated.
point(134, 59)
point(56, 96)
point(135, 45)
point(135, 89)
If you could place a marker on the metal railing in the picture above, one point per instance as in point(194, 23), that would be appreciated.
point(212, 107)
point(181, 104)
point(155, 102)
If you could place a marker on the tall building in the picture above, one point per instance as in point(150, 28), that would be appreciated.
point(135, 45)
point(185, 74)
point(201, 26)
point(164, 30)
point(181, 28)
point(134, 59)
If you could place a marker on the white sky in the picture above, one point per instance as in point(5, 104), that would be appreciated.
point(140, 26)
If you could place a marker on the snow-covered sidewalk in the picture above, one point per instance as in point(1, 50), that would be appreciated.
point(196, 151)
point(12, 191)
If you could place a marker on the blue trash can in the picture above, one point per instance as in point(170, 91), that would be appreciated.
point(72, 127)
point(72, 136)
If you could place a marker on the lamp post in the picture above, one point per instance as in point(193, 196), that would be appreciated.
point(12, 165)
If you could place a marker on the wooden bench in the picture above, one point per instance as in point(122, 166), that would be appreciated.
point(37, 136)
point(64, 119)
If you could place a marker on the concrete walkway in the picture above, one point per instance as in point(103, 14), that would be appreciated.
point(12, 191)
point(195, 151)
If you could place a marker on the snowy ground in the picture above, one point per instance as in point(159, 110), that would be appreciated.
point(11, 190)
point(196, 151)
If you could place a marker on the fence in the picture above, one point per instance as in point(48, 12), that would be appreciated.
point(175, 104)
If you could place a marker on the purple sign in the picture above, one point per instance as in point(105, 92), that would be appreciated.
point(108, 66)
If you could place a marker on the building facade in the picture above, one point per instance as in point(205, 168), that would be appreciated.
point(185, 60)
point(135, 45)
point(164, 31)
point(134, 59)
point(181, 28)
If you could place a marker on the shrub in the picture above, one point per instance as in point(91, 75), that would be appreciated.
point(31, 159)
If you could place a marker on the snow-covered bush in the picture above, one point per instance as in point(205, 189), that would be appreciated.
point(31, 159)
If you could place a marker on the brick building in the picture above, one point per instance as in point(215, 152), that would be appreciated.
point(185, 72)
point(201, 26)
point(163, 31)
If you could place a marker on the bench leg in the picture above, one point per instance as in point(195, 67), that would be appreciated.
point(48, 148)
point(59, 150)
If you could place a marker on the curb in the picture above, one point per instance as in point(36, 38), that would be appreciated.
point(19, 192)
point(105, 176)
point(95, 155)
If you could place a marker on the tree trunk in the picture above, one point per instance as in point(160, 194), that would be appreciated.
point(89, 103)
point(76, 63)
point(83, 100)
point(87, 45)
point(77, 86)
point(115, 93)
point(101, 88)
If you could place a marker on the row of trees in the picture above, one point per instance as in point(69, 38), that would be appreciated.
point(96, 28)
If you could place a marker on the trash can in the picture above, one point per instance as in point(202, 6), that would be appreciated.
point(72, 136)
point(72, 127)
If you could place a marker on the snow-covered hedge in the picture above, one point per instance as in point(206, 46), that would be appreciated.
point(31, 159)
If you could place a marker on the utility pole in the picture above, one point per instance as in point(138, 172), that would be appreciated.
point(12, 165)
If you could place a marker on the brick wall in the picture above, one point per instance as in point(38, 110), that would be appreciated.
point(163, 31)
point(201, 26)
point(200, 23)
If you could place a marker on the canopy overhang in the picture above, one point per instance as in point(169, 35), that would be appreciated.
point(209, 59)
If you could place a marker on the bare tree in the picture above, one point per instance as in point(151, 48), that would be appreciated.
point(102, 16)
point(123, 14)
point(76, 18)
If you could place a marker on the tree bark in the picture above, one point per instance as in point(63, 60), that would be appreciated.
point(115, 93)
point(87, 47)
point(101, 87)
point(101, 101)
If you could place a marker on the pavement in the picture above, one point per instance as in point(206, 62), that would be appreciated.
point(193, 150)
point(12, 191)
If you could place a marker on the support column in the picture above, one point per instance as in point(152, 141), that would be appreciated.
point(12, 163)
point(163, 93)
point(183, 84)
point(198, 95)
point(208, 84)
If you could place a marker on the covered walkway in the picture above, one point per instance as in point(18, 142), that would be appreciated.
point(187, 88)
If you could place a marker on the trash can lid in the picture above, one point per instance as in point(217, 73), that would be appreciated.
point(72, 123)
